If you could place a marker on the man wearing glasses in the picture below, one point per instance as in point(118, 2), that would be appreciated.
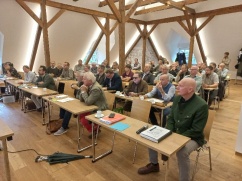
point(136, 88)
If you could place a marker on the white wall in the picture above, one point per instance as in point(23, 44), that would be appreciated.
point(72, 35)
point(1, 50)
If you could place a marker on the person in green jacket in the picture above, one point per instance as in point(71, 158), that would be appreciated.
point(188, 117)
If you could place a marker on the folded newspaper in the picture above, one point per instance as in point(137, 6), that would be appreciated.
point(155, 133)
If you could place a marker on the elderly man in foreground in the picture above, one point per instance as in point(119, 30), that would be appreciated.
point(188, 117)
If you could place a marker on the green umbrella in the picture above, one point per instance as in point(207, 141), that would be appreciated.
point(59, 157)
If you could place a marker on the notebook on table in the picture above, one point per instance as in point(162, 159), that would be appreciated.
point(155, 133)
point(117, 117)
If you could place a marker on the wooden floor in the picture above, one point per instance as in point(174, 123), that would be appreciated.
point(29, 133)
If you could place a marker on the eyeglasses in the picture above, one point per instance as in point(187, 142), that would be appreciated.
point(135, 77)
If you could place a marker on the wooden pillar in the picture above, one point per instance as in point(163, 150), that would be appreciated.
point(144, 37)
point(35, 48)
point(191, 51)
point(122, 37)
point(107, 27)
point(45, 33)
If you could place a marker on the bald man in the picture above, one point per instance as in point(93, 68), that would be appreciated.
point(188, 117)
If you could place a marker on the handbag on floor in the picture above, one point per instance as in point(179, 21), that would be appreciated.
point(53, 126)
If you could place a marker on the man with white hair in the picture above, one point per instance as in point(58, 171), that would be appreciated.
point(91, 94)
point(64, 114)
point(188, 117)
point(194, 75)
point(164, 70)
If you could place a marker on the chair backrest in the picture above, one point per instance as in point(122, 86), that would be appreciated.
point(140, 110)
point(208, 127)
point(150, 88)
point(110, 99)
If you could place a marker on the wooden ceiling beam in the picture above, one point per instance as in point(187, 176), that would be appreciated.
point(132, 10)
point(100, 25)
point(55, 17)
point(104, 3)
point(142, 3)
point(216, 12)
point(30, 12)
point(114, 10)
point(184, 27)
point(114, 27)
point(204, 24)
point(82, 10)
point(164, 7)
point(151, 30)
point(180, 6)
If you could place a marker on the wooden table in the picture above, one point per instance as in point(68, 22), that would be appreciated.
point(75, 107)
point(168, 146)
point(39, 92)
point(5, 132)
point(167, 105)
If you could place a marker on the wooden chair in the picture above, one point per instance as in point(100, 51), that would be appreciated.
point(110, 99)
point(140, 110)
point(206, 131)
point(150, 88)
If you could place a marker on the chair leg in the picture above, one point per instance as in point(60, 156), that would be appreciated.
point(135, 149)
point(195, 165)
point(210, 158)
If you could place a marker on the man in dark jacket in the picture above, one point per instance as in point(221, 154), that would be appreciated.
point(113, 81)
point(45, 81)
point(188, 117)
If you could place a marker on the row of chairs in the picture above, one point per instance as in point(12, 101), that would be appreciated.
point(140, 110)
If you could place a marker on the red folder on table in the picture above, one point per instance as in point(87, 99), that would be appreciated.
point(116, 118)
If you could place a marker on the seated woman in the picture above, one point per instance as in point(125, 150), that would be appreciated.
point(128, 74)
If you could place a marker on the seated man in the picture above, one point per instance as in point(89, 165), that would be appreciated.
point(79, 66)
point(115, 67)
point(94, 68)
point(112, 81)
point(100, 76)
point(128, 74)
point(164, 70)
point(46, 81)
point(52, 69)
point(29, 76)
point(222, 74)
point(194, 74)
point(67, 73)
point(137, 65)
point(147, 75)
point(190, 123)
point(182, 73)
point(210, 80)
point(164, 90)
point(136, 87)
point(64, 114)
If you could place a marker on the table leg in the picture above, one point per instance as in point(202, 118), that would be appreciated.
point(43, 111)
point(22, 99)
point(94, 158)
point(6, 161)
point(79, 149)
point(167, 169)
point(161, 119)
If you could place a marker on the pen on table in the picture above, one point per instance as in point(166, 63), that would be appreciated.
point(153, 129)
